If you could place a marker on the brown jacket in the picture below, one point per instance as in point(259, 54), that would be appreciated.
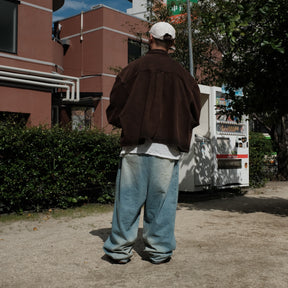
point(155, 98)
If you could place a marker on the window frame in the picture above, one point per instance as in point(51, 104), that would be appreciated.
point(143, 47)
point(14, 47)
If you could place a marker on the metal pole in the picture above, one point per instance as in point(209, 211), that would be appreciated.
point(190, 39)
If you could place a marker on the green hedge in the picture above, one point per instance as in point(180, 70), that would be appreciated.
point(259, 152)
point(43, 168)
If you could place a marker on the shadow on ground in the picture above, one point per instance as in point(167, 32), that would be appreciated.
point(233, 202)
point(138, 246)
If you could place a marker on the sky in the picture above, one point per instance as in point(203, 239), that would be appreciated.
point(74, 7)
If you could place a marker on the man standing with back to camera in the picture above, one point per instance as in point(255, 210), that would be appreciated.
point(156, 102)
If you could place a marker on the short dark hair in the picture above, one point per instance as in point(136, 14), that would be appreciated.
point(166, 43)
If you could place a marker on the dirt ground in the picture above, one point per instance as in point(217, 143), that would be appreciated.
point(224, 243)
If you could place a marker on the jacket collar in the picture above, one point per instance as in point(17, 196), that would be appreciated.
point(158, 51)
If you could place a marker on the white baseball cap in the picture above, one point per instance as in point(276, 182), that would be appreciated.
point(160, 29)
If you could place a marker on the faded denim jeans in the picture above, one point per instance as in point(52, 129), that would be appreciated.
point(152, 182)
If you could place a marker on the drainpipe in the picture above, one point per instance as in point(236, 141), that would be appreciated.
point(38, 84)
point(42, 78)
point(81, 27)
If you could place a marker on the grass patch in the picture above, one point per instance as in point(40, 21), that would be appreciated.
point(78, 212)
point(82, 211)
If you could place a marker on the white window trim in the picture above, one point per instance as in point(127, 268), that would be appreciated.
point(105, 28)
point(36, 6)
point(30, 60)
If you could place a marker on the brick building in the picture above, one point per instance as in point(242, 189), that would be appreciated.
point(99, 42)
point(31, 62)
point(65, 75)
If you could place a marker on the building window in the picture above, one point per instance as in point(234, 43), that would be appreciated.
point(8, 25)
point(136, 49)
point(55, 115)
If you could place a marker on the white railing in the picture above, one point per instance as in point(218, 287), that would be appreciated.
point(44, 79)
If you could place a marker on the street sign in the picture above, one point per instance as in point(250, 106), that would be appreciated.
point(178, 17)
point(178, 5)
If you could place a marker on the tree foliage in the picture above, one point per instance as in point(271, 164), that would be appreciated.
point(255, 52)
point(254, 42)
point(243, 44)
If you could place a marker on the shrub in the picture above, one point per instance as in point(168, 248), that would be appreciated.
point(42, 168)
point(260, 149)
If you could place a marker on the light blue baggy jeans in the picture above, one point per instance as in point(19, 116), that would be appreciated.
point(152, 182)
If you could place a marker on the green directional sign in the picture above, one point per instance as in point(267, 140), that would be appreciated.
point(178, 5)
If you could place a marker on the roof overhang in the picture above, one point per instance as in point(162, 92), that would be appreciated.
point(57, 4)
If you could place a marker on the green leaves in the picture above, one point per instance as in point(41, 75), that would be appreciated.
point(41, 168)
point(252, 37)
point(278, 46)
point(260, 149)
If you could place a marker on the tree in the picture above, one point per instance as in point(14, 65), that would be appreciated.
point(255, 59)
point(244, 44)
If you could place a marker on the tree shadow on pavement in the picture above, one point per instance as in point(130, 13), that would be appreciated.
point(241, 204)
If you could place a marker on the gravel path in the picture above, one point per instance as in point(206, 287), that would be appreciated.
point(221, 243)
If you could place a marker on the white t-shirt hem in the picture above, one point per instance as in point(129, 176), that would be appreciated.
point(153, 149)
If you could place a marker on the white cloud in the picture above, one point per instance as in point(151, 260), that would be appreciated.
point(57, 18)
point(75, 5)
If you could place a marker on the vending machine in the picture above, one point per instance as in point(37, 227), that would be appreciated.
point(219, 150)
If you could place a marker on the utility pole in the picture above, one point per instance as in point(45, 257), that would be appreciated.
point(191, 65)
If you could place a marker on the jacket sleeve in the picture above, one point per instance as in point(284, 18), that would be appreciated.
point(118, 98)
point(195, 104)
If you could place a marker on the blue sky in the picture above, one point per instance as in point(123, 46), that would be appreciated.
point(74, 7)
